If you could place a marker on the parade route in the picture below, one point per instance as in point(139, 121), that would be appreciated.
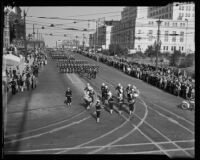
point(40, 123)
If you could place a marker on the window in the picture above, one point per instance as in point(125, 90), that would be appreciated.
point(188, 14)
point(174, 47)
point(182, 7)
point(159, 11)
point(182, 48)
point(174, 36)
point(179, 7)
point(163, 47)
point(167, 48)
point(181, 36)
point(166, 36)
point(166, 16)
point(171, 48)
point(150, 34)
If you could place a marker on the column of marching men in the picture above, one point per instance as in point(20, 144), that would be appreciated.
point(165, 78)
point(109, 100)
point(67, 64)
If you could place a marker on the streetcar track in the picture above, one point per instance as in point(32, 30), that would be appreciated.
point(155, 129)
point(180, 117)
point(168, 116)
point(46, 126)
point(99, 146)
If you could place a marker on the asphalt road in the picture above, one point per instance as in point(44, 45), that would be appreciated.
point(40, 123)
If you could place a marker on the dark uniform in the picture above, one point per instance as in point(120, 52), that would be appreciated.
point(68, 95)
point(98, 110)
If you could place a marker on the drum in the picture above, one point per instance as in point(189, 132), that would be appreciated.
point(135, 95)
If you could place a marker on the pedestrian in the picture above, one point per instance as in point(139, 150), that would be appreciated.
point(68, 95)
point(13, 86)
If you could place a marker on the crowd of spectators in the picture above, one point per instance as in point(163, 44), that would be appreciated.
point(168, 79)
point(20, 81)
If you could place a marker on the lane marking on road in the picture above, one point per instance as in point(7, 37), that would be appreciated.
point(112, 146)
point(124, 136)
point(52, 124)
point(95, 139)
point(179, 117)
point(169, 118)
point(164, 136)
point(155, 151)
point(172, 120)
point(48, 132)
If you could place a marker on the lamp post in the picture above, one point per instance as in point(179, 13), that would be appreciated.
point(158, 41)
point(186, 36)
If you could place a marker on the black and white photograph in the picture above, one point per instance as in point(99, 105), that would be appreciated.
point(99, 80)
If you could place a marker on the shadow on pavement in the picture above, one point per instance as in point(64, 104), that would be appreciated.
point(16, 145)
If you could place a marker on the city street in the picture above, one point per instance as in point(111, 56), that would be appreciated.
point(38, 121)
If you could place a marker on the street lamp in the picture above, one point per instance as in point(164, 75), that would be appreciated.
point(186, 36)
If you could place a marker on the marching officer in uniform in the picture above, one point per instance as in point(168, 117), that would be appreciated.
point(68, 95)
point(110, 101)
point(98, 109)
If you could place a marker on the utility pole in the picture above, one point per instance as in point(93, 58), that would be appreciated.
point(186, 37)
point(34, 37)
point(158, 43)
point(25, 43)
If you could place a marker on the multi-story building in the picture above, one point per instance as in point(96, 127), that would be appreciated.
point(138, 31)
point(6, 28)
point(173, 11)
point(174, 35)
point(123, 33)
point(102, 37)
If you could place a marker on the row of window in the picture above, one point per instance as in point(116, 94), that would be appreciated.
point(187, 8)
point(186, 15)
point(166, 48)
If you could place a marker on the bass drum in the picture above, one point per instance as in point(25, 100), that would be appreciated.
point(135, 95)
point(185, 105)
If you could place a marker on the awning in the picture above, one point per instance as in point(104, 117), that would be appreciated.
point(10, 60)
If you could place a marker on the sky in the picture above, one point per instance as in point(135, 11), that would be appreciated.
point(111, 13)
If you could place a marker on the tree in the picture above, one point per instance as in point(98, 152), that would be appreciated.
point(115, 49)
point(150, 52)
point(175, 58)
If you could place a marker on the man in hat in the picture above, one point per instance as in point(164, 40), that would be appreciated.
point(68, 95)
point(98, 109)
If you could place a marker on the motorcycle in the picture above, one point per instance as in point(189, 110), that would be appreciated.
point(187, 105)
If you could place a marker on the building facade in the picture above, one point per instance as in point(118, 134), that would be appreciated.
point(138, 31)
point(174, 35)
point(102, 38)
point(173, 11)
point(123, 33)
point(6, 28)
